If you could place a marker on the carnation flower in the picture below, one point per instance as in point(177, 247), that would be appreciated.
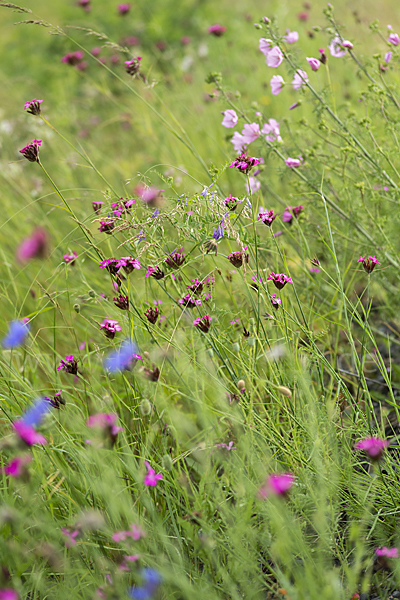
point(230, 118)
point(388, 552)
point(107, 423)
point(69, 365)
point(155, 272)
point(244, 163)
point(369, 263)
point(34, 246)
point(152, 315)
point(97, 206)
point(151, 478)
point(124, 8)
point(122, 302)
point(110, 328)
point(203, 323)
point(373, 446)
point(31, 151)
point(267, 217)
point(176, 258)
point(17, 467)
point(33, 106)
point(132, 66)
point(107, 226)
point(238, 258)
point(70, 258)
point(129, 264)
point(290, 212)
point(73, 58)
point(189, 302)
point(217, 30)
point(279, 279)
point(275, 301)
point(231, 202)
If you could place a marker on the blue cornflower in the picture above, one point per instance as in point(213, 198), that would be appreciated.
point(36, 412)
point(151, 581)
point(218, 232)
point(123, 358)
point(17, 332)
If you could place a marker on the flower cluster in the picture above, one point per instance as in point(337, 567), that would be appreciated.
point(244, 163)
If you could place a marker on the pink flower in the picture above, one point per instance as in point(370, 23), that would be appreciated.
point(15, 467)
point(135, 532)
point(203, 323)
point(230, 118)
point(388, 57)
point(106, 422)
point(277, 484)
point(271, 131)
point(394, 39)
point(252, 185)
point(337, 47)
point(33, 106)
point(238, 142)
point(228, 447)
point(71, 535)
point(28, 434)
point(314, 63)
point(34, 246)
point(300, 78)
point(70, 258)
point(217, 30)
point(31, 151)
point(250, 132)
point(388, 552)
point(244, 163)
point(8, 594)
point(279, 279)
point(151, 478)
point(277, 82)
point(290, 212)
point(266, 217)
point(265, 46)
point(73, 58)
point(275, 301)
point(373, 446)
point(293, 162)
point(369, 263)
point(123, 9)
point(110, 327)
point(149, 195)
point(274, 57)
point(291, 36)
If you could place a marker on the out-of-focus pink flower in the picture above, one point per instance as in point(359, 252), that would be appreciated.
point(265, 46)
point(303, 16)
point(274, 57)
point(277, 484)
point(70, 258)
point(277, 82)
point(271, 131)
point(291, 36)
point(135, 532)
point(217, 30)
point(124, 566)
point(314, 63)
point(238, 142)
point(124, 8)
point(149, 195)
point(373, 446)
point(230, 118)
point(228, 447)
point(33, 106)
point(290, 212)
point(250, 132)
point(151, 477)
point(8, 594)
point(28, 434)
point(300, 78)
point(388, 57)
point(107, 423)
point(337, 47)
point(70, 535)
point(16, 466)
point(293, 162)
point(73, 58)
point(34, 246)
point(393, 39)
point(185, 40)
point(388, 552)
point(253, 185)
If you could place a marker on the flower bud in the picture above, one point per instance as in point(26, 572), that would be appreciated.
point(284, 391)
point(92, 293)
point(241, 384)
point(257, 26)
point(238, 94)
point(145, 407)
point(77, 308)
point(251, 342)
point(166, 462)
point(236, 347)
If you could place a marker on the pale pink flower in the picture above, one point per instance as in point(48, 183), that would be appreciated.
point(314, 63)
point(238, 142)
point(271, 131)
point(277, 484)
point(274, 57)
point(291, 36)
point(277, 82)
point(71, 535)
point(394, 39)
point(253, 185)
point(151, 478)
point(388, 57)
point(230, 118)
point(337, 47)
point(388, 552)
point(293, 162)
point(250, 132)
point(300, 78)
point(265, 46)
point(135, 532)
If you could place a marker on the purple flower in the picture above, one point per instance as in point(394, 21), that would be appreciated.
point(16, 466)
point(31, 151)
point(238, 142)
point(244, 163)
point(155, 213)
point(230, 118)
point(393, 39)
point(369, 263)
point(295, 105)
point(148, 195)
point(266, 217)
point(238, 258)
point(124, 8)
point(388, 57)
point(217, 30)
point(33, 106)
point(250, 132)
point(122, 302)
point(97, 206)
point(132, 66)
point(277, 484)
point(277, 82)
point(110, 328)
point(122, 359)
point(314, 63)
point(373, 446)
point(129, 264)
point(275, 301)
point(265, 46)
point(218, 232)
point(56, 401)
point(274, 57)
point(107, 423)
point(228, 447)
point(291, 36)
point(16, 335)
point(292, 162)
point(231, 202)
point(279, 279)
point(73, 58)
point(196, 286)
point(203, 323)
point(388, 552)
point(151, 581)
point(337, 47)
point(69, 365)
point(107, 226)
point(155, 272)
point(151, 477)
point(70, 258)
point(271, 131)
point(135, 532)
point(300, 78)
point(152, 315)
point(189, 302)
point(176, 258)
point(8, 594)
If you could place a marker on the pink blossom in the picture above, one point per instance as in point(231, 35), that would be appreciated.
point(71, 535)
point(230, 118)
point(388, 57)
point(147, 194)
point(228, 447)
point(265, 46)
point(394, 39)
point(369, 263)
point(388, 552)
point(275, 301)
point(217, 30)
point(15, 467)
point(274, 57)
point(250, 132)
point(151, 477)
point(34, 246)
point(277, 82)
point(293, 162)
point(124, 566)
point(105, 421)
point(314, 63)
point(277, 484)
point(271, 131)
point(267, 217)
point(238, 142)
point(70, 258)
point(291, 36)
point(135, 532)
point(123, 9)
point(337, 47)
point(300, 78)
point(290, 212)
point(8, 594)
point(28, 434)
point(373, 446)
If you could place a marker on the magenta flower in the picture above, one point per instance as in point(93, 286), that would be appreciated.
point(189, 302)
point(293, 162)
point(203, 323)
point(8, 594)
point(265, 46)
point(107, 226)
point(16, 466)
point(71, 535)
point(230, 118)
point(152, 315)
point(231, 203)
point(69, 365)
point(279, 279)
point(217, 30)
point(275, 301)
point(369, 263)
point(314, 63)
point(238, 258)
point(196, 287)
point(393, 39)
point(291, 212)
point(155, 272)
point(267, 217)
point(110, 328)
point(28, 434)
point(70, 258)
point(238, 142)
point(244, 163)
point(124, 8)
point(97, 206)
point(388, 57)
point(135, 532)
point(34, 246)
point(388, 552)
point(176, 258)
point(274, 57)
point(107, 423)
point(132, 66)
point(228, 447)
point(122, 302)
point(291, 36)
point(250, 132)
point(111, 264)
point(129, 264)
point(277, 82)
point(33, 106)
point(293, 106)
point(277, 484)
point(373, 446)
point(300, 78)
point(271, 131)
point(72, 58)
point(151, 477)
point(31, 151)
point(337, 47)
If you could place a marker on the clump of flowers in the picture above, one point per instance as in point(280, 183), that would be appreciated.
point(189, 302)
point(69, 365)
point(244, 163)
point(111, 264)
point(96, 204)
point(238, 258)
point(124, 8)
point(388, 552)
point(369, 263)
point(374, 447)
point(203, 323)
point(279, 279)
point(33, 106)
point(196, 287)
point(267, 217)
point(152, 315)
point(110, 328)
point(176, 258)
point(73, 58)
point(132, 66)
point(107, 226)
point(31, 151)
point(122, 302)
point(135, 532)
point(56, 401)
point(231, 202)
point(276, 484)
point(129, 264)
point(34, 246)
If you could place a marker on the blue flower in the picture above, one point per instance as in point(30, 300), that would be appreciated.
point(17, 332)
point(155, 213)
point(204, 193)
point(218, 232)
point(123, 358)
point(151, 581)
point(35, 413)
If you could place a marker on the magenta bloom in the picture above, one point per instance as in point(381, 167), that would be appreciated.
point(33, 106)
point(151, 478)
point(244, 163)
point(231, 202)
point(149, 195)
point(70, 258)
point(176, 258)
point(73, 58)
point(152, 315)
point(97, 206)
point(111, 264)
point(314, 63)
point(155, 272)
point(388, 57)
point(28, 434)
point(203, 323)
point(393, 39)
point(135, 532)
point(265, 46)
point(271, 131)
point(277, 484)
point(228, 447)
point(122, 302)
point(124, 8)
point(266, 217)
point(230, 118)
point(16, 466)
point(373, 446)
point(238, 142)
point(107, 423)
point(369, 263)
point(238, 258)
point(250, 132)
point(300, 78)
point(388, 552)
point(8, 594)
point(189, 301)
point(71, 535)
point(110, 328)
point(31, 151)
point(292, 162)
point(34, 246)
point(275, 301)
point(129, 264)
point(291, 36)
point(274, 57)
point(217, 30)
point(279, 279)
point(196, 287)
point(69, 365)
point(277, 82)
point(290, 212)
point(132, 66)
point(107, 226)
